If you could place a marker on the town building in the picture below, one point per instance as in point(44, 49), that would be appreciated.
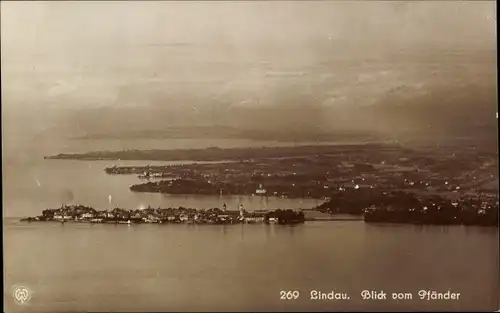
point(260, 190)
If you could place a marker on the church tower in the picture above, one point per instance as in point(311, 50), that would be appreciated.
point(241, 211)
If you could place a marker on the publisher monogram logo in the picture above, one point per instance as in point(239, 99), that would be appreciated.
point(21, 294)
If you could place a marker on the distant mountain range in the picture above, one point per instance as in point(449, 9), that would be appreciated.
point(228, 132)
point(403, 112)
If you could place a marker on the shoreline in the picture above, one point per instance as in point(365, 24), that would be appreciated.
point(83, 214)
point(218, 154)
point(321, 220)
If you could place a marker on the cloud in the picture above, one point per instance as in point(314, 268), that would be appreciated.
point(285, 74)
point(374, 76)
point(61, 88)
point(169, 44)
point(247, 103)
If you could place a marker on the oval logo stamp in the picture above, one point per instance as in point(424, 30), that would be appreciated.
point(22, 295)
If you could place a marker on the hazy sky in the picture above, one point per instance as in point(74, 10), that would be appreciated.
point(240, 54)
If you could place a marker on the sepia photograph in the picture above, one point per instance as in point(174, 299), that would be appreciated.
point(249, 156)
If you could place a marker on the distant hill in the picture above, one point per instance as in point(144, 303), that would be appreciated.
point(228, 132)
point(433, 111)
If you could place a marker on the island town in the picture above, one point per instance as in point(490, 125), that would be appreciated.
point(181, 215)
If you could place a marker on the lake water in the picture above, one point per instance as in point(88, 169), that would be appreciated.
point(80, 267)
point(53, 182)
point(32, 184)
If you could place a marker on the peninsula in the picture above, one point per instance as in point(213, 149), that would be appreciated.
point(218, 154)
point(449, 184)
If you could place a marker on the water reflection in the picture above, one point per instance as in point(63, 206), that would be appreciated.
point(363, 255)
point(267, 231)
point(224, 230)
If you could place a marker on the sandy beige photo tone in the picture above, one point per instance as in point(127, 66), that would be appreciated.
point(248, 156)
